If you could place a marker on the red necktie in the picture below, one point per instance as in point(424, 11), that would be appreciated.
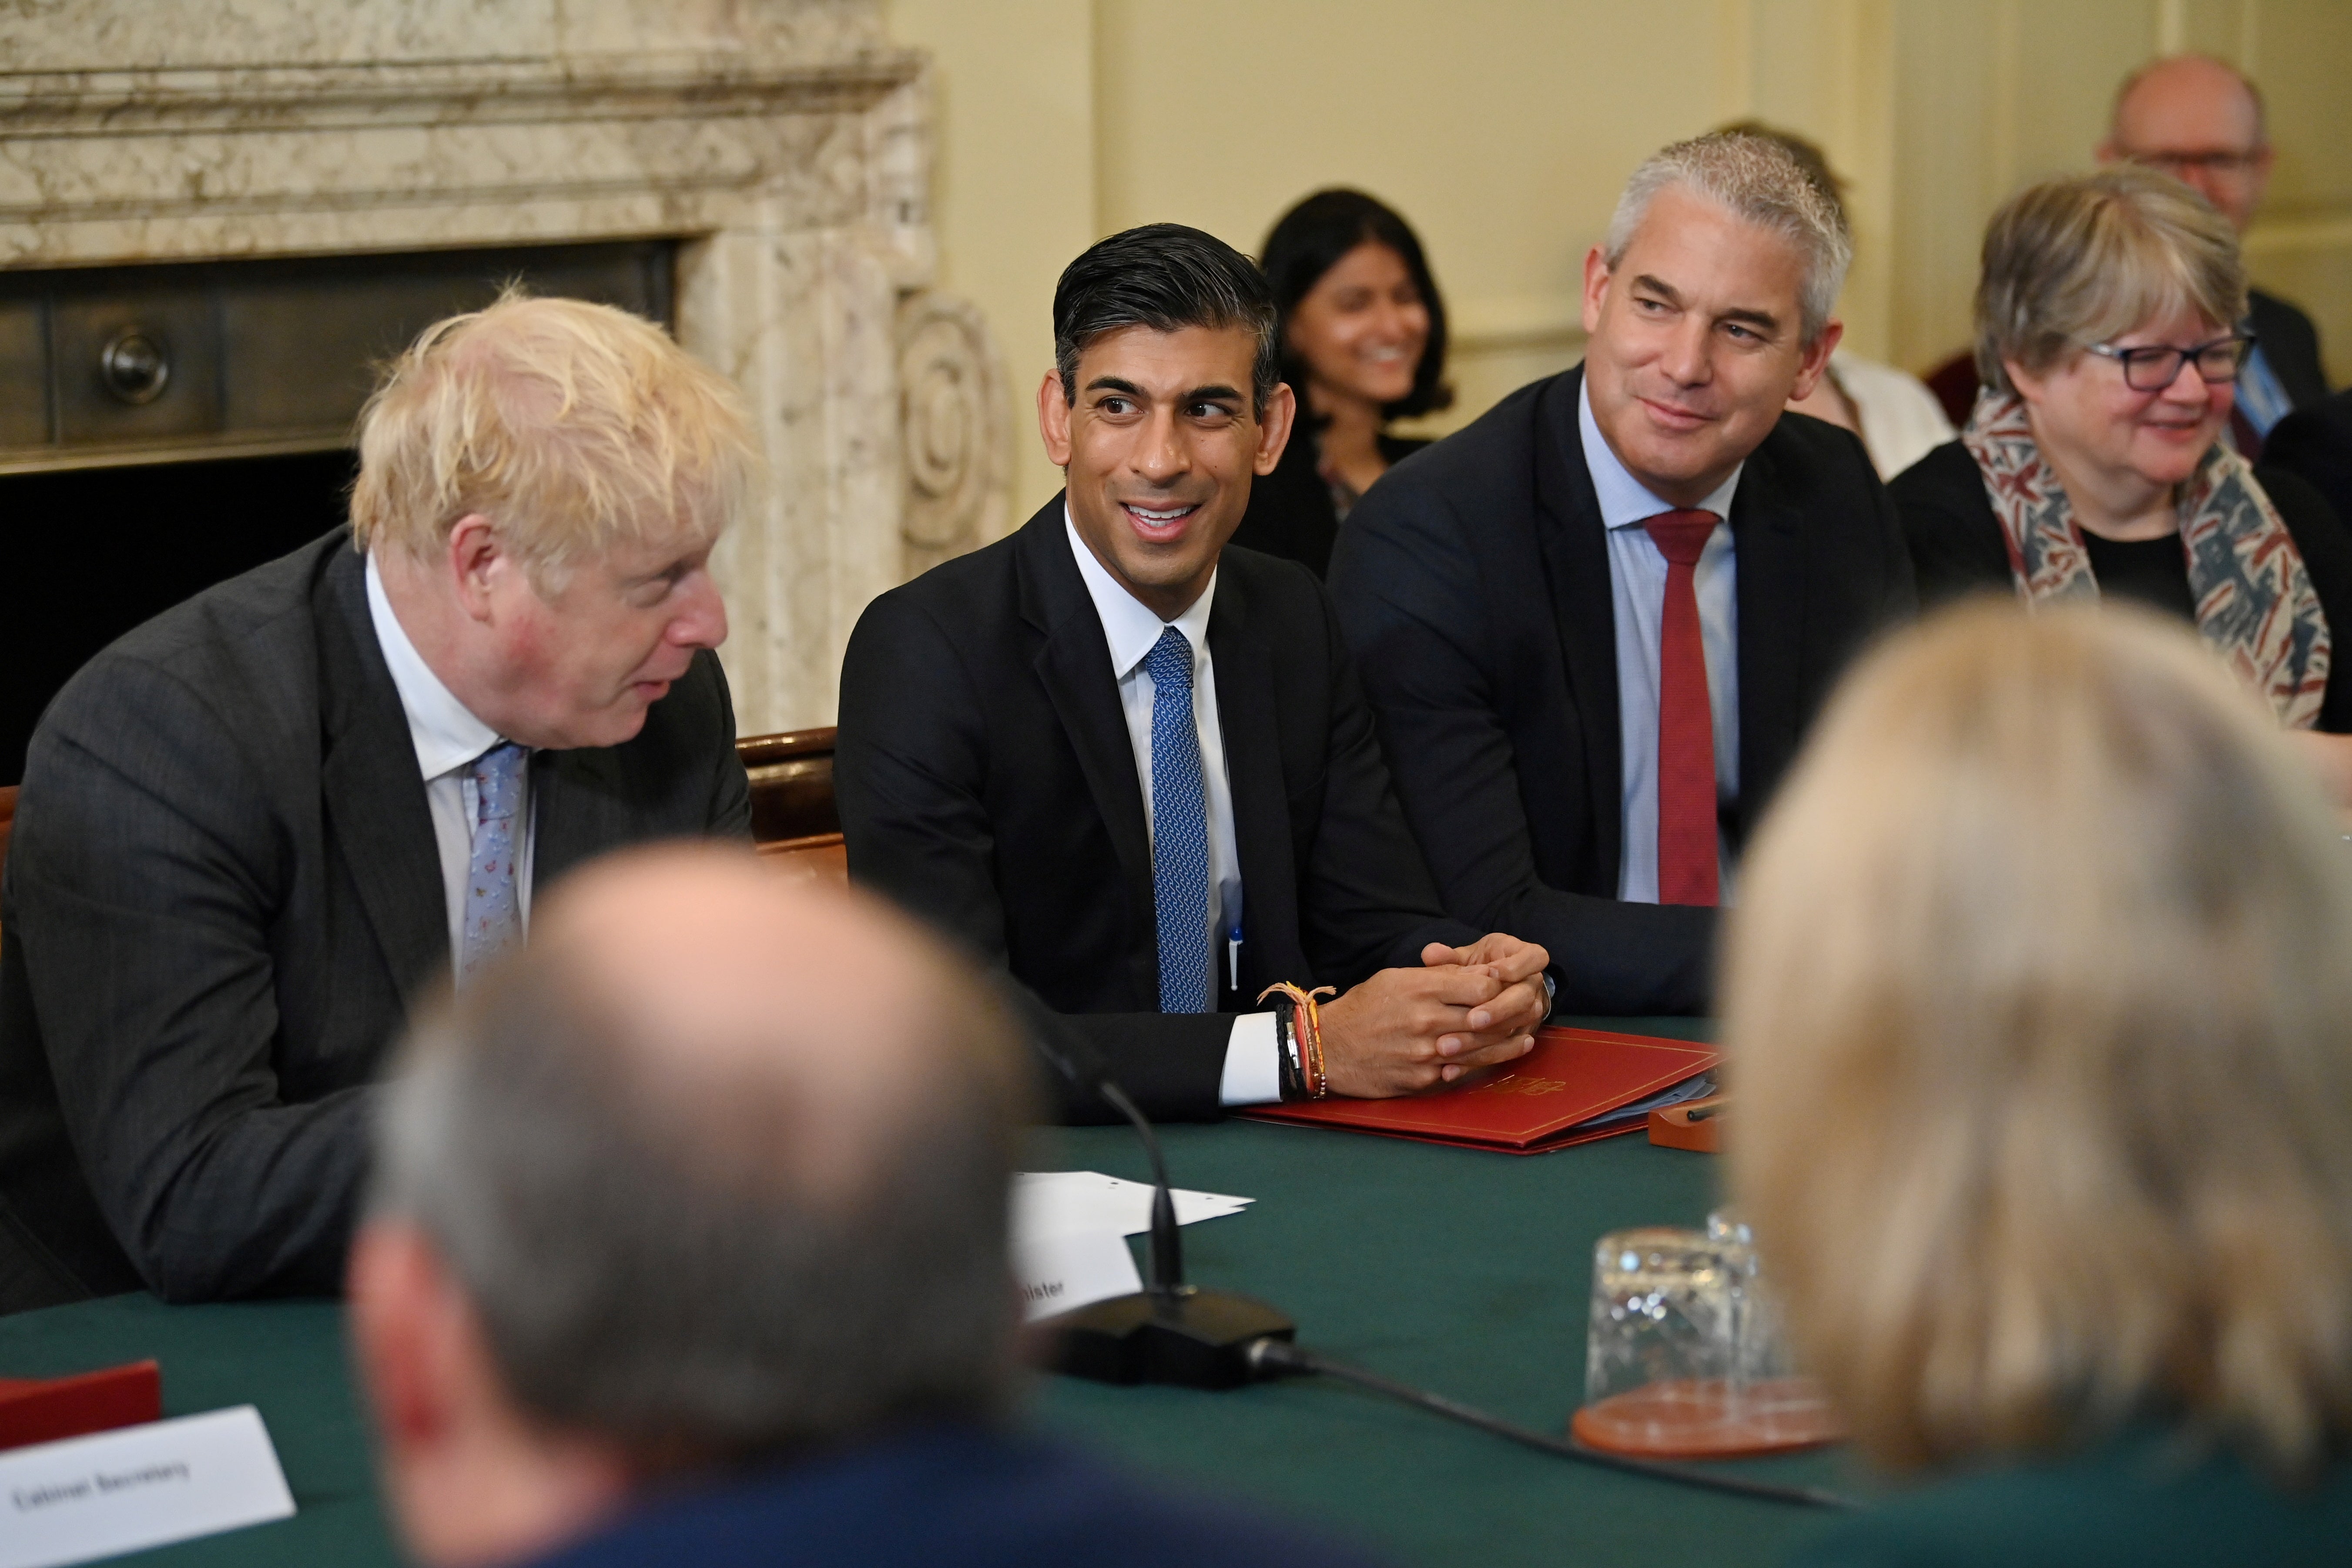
point(1686, 843)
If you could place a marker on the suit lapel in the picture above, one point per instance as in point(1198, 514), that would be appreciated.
point(1770, 554)
point(1576, 561)
point(374, 805)
point(1074, 664)
point(1251, 728)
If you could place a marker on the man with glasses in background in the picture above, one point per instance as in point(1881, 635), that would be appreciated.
point(2201, 121)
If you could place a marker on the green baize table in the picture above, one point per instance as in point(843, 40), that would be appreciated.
point(1458, 1270)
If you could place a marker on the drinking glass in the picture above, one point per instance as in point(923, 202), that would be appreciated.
point(1682, 1351)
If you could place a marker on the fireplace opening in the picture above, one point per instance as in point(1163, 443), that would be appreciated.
point(165, 427)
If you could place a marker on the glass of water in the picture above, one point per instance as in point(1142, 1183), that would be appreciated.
point(1681, 1352)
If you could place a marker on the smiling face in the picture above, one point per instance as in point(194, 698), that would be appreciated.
point(2088, 421)
point(1159, 451)
point(580, 666)
point(1694, 343)
point(1361, 327)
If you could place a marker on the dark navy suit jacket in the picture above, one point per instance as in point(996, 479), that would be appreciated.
point(945, 1497)
point(1473, 581)
point(987, 783)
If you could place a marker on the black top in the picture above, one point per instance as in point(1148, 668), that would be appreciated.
point(2155, 572)
point(1474, 585)
point(1290, 510)
point(987, 782)
point(1957, 548)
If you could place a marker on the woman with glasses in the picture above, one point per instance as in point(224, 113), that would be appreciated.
point(2094, 462)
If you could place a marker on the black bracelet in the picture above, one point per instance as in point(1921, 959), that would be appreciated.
point(1286, 1048)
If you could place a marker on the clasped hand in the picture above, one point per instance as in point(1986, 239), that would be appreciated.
point(1408, 1030)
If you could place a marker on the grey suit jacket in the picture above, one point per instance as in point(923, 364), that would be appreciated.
point(222, 892)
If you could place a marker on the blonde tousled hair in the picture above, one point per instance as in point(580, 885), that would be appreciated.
point(573, 426)
point(2083, 259)
point(2037, 1005)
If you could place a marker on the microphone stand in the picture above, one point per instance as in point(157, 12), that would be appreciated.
point(1168, 1331)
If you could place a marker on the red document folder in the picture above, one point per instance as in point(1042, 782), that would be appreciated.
point(42, 1410)
point(1532, 1106)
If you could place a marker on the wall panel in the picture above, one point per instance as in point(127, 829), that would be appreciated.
point(1503, 129)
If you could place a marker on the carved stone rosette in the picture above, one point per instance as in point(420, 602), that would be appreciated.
point(953, 425)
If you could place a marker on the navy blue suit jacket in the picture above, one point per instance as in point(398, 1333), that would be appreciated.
point(1473, 581)
point(944, 1498)
point(986, 781)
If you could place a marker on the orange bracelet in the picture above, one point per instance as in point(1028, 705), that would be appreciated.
point(1307, 1018)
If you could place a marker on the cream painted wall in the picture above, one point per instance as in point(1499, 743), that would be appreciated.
point(1994, 94)
point(1014, 182)
point(1503, 130)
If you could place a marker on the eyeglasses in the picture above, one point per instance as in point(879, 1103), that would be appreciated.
point(2180, 165)
point(2152, 367)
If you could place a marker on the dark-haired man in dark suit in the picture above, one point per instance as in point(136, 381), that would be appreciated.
point(1131, 767)
point(254, 827)
point(1595, 624)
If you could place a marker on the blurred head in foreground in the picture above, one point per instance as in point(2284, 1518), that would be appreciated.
point(713, 1174)
point(2038, 998)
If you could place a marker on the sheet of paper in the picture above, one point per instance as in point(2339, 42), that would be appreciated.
point(1046, 1201)
point(1069, 1268)
point(135, 1487)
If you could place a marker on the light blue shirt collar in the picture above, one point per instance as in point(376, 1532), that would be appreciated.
point(1131, 627)
point(445, 732)
point(1624, 499)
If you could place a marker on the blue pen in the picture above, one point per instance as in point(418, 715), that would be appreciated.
point(1233, 945)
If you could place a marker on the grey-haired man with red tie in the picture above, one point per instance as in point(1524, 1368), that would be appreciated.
point(1595, 623)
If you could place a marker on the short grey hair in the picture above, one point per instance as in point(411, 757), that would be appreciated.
point(1757, 181)
point(654, 1268)
point(2082, 258)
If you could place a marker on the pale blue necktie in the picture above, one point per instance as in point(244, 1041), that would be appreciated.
point(493, 910)
point(1179, 830)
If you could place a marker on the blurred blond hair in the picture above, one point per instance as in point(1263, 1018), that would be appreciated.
point(2040, 1009)
point(2084, 259)
point(573, 426)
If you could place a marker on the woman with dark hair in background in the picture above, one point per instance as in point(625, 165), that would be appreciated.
point(1363, 342)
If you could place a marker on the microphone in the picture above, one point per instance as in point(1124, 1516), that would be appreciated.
point(1169, 1332)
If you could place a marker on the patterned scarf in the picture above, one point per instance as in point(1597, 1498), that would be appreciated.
point(2255, 606)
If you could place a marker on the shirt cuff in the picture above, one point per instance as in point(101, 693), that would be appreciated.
point(1253, 1062)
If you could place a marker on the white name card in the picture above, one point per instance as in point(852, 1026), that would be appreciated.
point(1070, 1268)
point(117, 1491)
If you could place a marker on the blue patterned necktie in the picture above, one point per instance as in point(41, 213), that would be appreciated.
point(1179, 830)
point(493, 912)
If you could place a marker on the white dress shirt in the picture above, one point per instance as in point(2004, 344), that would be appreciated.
point(1902, 422)
point(1252, 1071)
point(1637, 592)
point(446, 737)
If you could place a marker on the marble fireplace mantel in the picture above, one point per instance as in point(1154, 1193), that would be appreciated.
point(782, 142)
